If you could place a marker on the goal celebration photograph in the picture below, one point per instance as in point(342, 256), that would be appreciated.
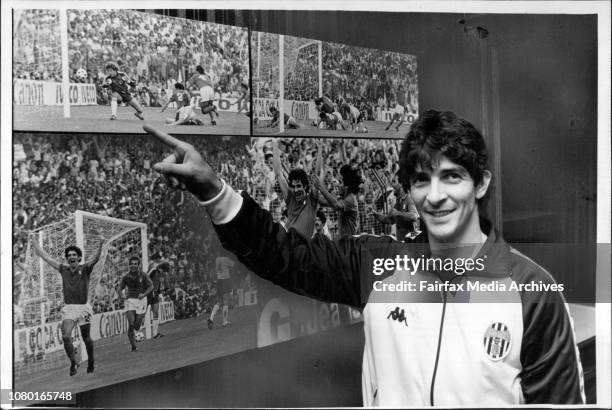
point(279, 207)
point(93, 204)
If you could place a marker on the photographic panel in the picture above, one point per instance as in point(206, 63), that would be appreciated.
point(528, 83)
point(122, 67)
point(331, 89)
point(375, 165)
point(94, 191)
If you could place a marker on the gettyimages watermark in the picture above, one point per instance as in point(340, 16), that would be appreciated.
point(495, 273)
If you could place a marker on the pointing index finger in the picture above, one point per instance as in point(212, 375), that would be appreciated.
point(163, 137)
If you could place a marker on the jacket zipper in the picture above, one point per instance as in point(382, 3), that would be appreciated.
point(433, 379)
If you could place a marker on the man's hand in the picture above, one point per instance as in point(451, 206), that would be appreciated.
point(141, 296)
point(315, 181)
point(185, 168)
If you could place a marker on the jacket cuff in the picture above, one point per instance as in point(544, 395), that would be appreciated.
point(224, 206)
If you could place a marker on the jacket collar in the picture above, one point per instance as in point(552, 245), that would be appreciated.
point(494, 255)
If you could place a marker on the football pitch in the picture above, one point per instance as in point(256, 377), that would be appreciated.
point(96, 118)
point(376, 130)
point(185, 342)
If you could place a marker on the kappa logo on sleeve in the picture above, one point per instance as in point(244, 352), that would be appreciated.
point(497, 341)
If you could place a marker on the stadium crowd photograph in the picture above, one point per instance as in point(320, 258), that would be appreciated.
point(436, 342)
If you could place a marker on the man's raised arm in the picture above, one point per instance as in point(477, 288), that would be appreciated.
point(278, 169)
point(96, 256)
point(45, 256)
point(328, 198)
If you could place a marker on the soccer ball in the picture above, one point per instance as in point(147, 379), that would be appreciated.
point(81, 74)
point(139, 336)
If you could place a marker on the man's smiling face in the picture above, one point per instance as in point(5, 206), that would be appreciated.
point(446, 197)
point(299, 191)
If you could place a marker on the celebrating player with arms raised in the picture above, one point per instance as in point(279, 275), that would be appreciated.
point(118, 83)
point(75, 283)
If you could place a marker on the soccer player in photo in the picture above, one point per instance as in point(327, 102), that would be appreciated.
point(243, 99)
point(118, 83)
point(290, 122)
point(205, 84)
point(139, 286)
point(466, 348)
point(400, 109)
point(302, 201)
point(351, 114)
point(184, 113)
point(334, 120)
point(325, 106)
point(223, 266)
point(348, 211)
point(159, 278)
point(76, 310)
point(404, 215)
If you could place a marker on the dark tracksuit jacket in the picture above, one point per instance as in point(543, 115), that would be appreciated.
point(444, 348)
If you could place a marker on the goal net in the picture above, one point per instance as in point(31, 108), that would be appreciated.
point(266, 83)
point(39, 299)
point(36, 45)
point(286, 69)
point(301, 69)
point(40, 62)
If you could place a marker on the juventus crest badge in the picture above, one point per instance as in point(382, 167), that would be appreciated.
point(497, 341)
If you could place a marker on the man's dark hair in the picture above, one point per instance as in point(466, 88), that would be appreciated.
point(134, 258)
point(299, 174)
point(112, 66)
point(73, 248)
point(199, 69)
point(179, 86)
point(350, 178)
point(437, 133)
point(321, 216)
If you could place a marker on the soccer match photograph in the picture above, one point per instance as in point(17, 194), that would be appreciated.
point(284, 205)
point(153, 289)
point(329, 89)
point(119, 68)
